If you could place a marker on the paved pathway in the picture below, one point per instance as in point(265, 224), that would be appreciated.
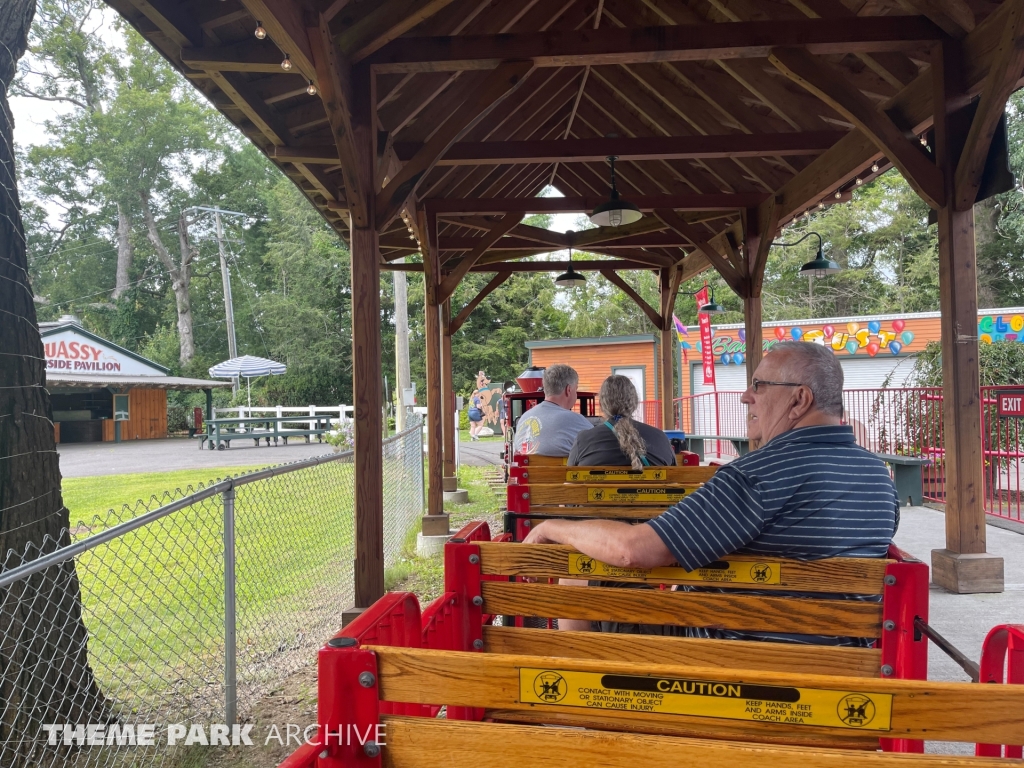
point(132, 456)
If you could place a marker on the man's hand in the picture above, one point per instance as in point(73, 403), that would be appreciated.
point(537, 535)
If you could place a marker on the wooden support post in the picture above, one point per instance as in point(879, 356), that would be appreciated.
point(752, 329)
point(435, 522)
point(450, 481)
point(963, 566)
point(366, 365)
point(669, 283)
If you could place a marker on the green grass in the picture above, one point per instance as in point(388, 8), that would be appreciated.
point(424, 576)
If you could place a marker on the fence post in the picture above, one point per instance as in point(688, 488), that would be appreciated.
point(230, 639)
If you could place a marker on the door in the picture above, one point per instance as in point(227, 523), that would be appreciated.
point(635, 375)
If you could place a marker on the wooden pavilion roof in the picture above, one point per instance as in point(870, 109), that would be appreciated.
point(719, 110)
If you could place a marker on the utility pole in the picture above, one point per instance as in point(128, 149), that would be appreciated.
point(229, 306)
point(401, 344)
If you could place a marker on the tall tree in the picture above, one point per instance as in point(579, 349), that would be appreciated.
point(44, 674)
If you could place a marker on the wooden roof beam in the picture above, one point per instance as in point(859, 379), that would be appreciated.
point(955, 17)
point(829, 84)
point(241, 57)
point(388, 20)
point(505, 78)
point(718, 260)
point(334, 78)
point(533, 266)
point(645, 44)
point(460, 319)
point(652, 314)
point(285, 24)
point(1000, 82)
point(651, 148)
point(711, 202)
point(452, 280)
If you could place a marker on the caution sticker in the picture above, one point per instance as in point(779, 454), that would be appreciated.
point(636, 494)
point(856, 710)
point(576, 475)
point(720, 571)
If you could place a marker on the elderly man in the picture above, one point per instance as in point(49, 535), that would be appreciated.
point(550, 428)
point(809, 492)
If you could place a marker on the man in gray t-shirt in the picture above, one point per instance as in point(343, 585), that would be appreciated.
point(550, 428)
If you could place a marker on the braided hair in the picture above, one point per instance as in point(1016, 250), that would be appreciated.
point(618, 402)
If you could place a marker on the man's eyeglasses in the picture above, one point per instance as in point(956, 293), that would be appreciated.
point(757, 383)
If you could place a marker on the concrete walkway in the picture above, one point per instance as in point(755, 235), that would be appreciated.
point(133, 456)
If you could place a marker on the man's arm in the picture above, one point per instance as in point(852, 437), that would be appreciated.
point(612, 542)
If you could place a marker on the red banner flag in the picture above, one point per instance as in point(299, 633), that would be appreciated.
point(707, 356)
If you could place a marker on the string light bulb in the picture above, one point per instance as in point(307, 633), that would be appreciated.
point(286, 65)
point(260, 32)
point(311, 89)
point(839, 194)
point(924, 141)
point(858, 181)
point(874, 167)
point(821, 204)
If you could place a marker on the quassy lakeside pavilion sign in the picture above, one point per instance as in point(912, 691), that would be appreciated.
point(868, 335)
point(74, 351)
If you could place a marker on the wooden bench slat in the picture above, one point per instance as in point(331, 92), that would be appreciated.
point(550, 475)
point(736, 654)
point(663, 495)
point(637, 512)
point(536, 460)
point(914, 709)
point(417, 742)
point(851, 618)
point(834, 575)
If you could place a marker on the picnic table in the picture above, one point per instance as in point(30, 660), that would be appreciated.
point(695, 443)
point(220, 432)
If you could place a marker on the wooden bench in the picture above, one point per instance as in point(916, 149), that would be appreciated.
point(394, 667)
point(907, 476)
point(621, 493)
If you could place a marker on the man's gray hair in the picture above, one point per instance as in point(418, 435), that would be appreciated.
point(816, 366)
point(557, 377)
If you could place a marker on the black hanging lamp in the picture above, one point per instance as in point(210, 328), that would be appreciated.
point(819, 266)
point(616, 211)
point(570, 278)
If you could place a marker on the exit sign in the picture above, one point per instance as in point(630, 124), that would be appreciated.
point(1011, 402)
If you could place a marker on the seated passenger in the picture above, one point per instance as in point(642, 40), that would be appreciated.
point(809, 492)
point(620, 441)
point(550, 427)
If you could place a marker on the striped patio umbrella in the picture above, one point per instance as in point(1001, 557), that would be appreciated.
point(247, 366)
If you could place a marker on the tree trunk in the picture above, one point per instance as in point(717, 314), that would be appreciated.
point(44, 671)
point(404, 379)
point(180, 274)
point(124, 251)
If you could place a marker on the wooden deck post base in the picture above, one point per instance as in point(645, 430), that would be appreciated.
point(967, 574)
point(350, 614)
point(435, 525)
point(450, 484)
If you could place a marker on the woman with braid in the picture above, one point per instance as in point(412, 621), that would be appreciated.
point(619, 440)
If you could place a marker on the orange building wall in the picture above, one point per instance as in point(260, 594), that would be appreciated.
point(594, 362)
point(147, 409)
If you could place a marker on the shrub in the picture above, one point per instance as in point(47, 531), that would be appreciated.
point(343, 436)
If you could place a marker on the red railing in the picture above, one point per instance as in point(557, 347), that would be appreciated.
point(905, 421)
point(651, 410)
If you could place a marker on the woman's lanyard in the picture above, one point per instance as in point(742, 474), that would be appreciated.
point(643, 459)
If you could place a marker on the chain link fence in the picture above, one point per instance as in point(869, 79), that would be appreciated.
point(194, 607)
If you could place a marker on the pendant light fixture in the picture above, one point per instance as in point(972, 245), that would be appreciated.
point(615, 212)
point(712, 307)
point(819, 266)
point(261, 32)
point(571, 278)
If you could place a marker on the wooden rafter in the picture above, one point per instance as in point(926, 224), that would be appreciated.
point(453, 278)
point(1003, 75)
point(283, 20)
point(387, 21)
point(723, 202)
point(955, 17)
point(652, 314)
point(625, 149)
point(719, 261)
point(498, 85)
point(645, 44)
point(535, 266)
point(767, 229)
point(460, 319)
point(829, 84)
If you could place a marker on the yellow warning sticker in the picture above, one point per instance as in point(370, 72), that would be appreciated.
point(720, 571)
point(636, 494)
point(857, 710)
point(576, 475)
